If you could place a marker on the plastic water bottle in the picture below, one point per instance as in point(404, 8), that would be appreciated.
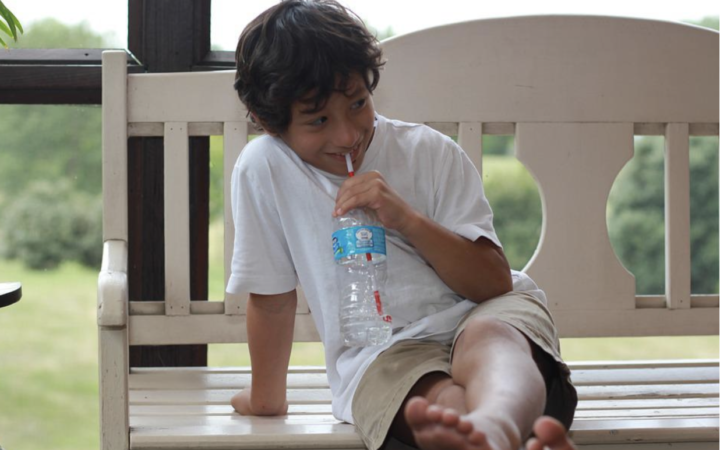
point(360, 257)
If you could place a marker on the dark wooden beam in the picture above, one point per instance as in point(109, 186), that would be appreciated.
point(74, 76)
point(53, 76)
point(167, 36)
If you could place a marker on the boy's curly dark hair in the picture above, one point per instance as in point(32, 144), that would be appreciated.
point(299, 48)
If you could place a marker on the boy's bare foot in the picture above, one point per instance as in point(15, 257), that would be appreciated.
point(549, 433)
point(435, 427)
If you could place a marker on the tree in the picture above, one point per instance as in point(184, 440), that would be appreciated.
point(58, 147)
point(636, 216)
point(51, 142)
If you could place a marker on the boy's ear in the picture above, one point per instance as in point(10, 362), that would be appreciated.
point(259, 123)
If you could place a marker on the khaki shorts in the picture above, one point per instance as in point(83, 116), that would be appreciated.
point(389, 379)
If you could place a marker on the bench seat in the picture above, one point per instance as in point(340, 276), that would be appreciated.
point(620, 403)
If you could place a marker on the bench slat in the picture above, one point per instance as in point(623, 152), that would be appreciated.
point(677, 215)
point(587, 408)
point(685, 375)
point(218, 381)
point(219, 410)
point(319, 410)
point(220, 397)
point(239, 380)
point(574, 365)
point(646, 413)
point(182, 421)
point(650, 430)
point(239, 435)
point(652, 391)
point(176, 181)
point(649, 403)
point(297, 432)
point(235, 136)
point(646, 364)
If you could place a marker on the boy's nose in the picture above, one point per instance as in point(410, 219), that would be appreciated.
point(346, 135)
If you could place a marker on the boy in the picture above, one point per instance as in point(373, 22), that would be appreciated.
point(474, 359)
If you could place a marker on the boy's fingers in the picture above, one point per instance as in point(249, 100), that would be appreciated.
point(350, 202)
point(351, 191)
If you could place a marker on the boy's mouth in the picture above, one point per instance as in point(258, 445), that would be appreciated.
point(354, 152)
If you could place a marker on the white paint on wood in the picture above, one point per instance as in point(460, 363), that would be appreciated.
point(652, 430)
point(575, 166)
point(220, 396)
point(235, 138)
point(648, 391)
point(177, 219)
point(114, 145)
point(241, 435)
point(592, 322)
point(648, 375)
point(157, 129)
point(677, 215)
point(206, 97)
point(114, 415)
point(217, 410)
point(113, 285)
point(620, 405)
point(665, 375)
point(205, 329)
point(552, 69)
point(470, 139)
point(201, 380)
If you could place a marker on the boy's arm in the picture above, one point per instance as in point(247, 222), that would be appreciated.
point(476, 270)
point(270, 325)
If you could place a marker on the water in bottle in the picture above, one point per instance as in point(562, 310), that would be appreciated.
point(360, 257)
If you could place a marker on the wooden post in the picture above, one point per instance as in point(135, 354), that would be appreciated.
point(166, 36)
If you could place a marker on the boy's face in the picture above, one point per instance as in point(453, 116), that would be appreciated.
point(344, 125)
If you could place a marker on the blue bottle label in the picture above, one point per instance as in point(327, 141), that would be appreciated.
point(358, 240)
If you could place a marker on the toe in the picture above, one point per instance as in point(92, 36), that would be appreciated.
point(434, 413)
point(552, 433)
point(416, 412)
point(533, 444)
point(450, 418)
point(464, 426)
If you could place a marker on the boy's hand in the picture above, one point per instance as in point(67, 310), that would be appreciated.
point(243, 405)
point(370, 190)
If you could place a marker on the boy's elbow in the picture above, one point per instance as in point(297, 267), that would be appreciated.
point(505, 283)
point(498, 285)
point(503, 279)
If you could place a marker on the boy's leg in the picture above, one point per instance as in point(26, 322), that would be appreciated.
point(504, 393)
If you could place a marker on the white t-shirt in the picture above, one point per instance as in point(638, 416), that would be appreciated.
point(282, 208)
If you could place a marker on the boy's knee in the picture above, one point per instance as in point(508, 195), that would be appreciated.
point(481, 329)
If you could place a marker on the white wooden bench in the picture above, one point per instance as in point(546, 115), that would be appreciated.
point(573, 90)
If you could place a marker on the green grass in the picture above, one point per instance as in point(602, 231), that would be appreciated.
point(48, 360)
point(48, 357)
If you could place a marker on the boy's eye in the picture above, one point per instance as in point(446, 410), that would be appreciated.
point(318, 121)
point(359, 103)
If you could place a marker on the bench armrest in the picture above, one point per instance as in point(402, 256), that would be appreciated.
point(113, 285)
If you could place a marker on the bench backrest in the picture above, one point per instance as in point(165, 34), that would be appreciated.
point(573, 90)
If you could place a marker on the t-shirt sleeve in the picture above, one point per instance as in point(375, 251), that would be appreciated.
point(261, 261)
point(460, 202)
